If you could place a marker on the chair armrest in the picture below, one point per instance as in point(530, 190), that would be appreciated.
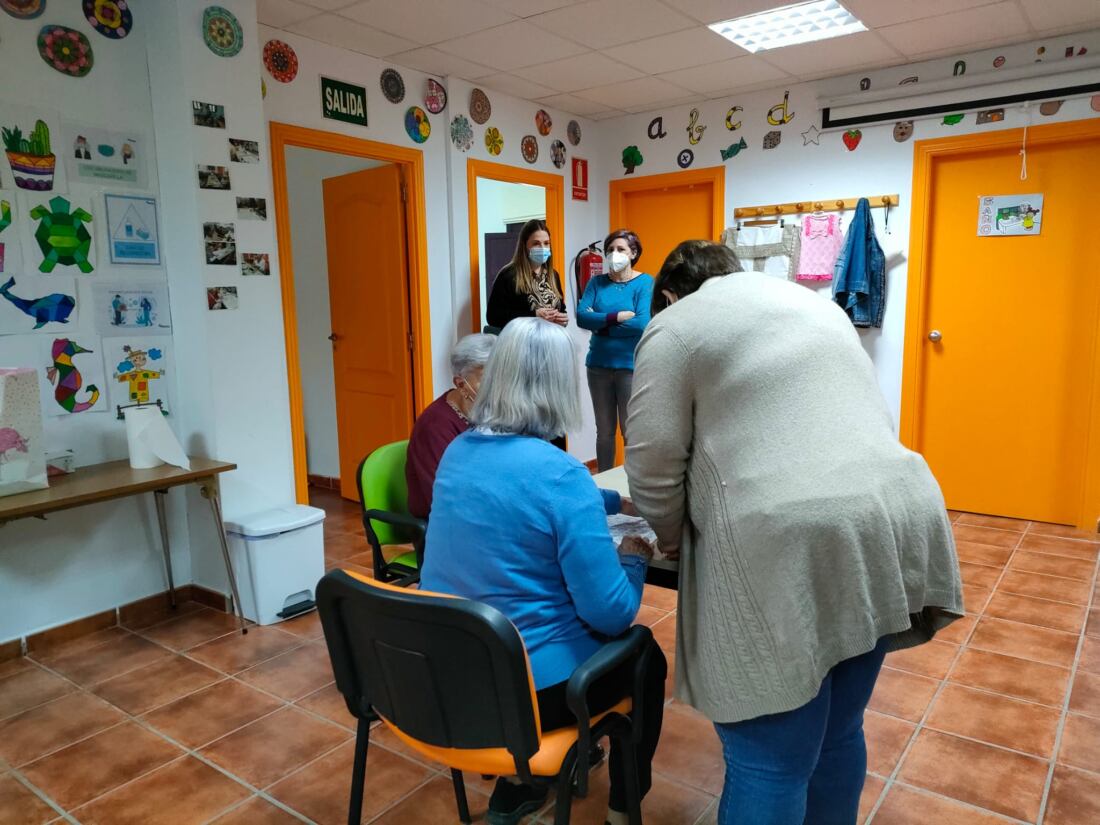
point(418, 525)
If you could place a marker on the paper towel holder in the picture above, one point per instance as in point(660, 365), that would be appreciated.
point(120, 407)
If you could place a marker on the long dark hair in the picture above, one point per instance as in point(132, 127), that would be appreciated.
point(526, 279)
point(688, 266)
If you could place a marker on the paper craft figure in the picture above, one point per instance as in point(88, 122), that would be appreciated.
point(62, 235)
point(133, 372)
point(32, 162)
point(67, 378)
point(733, 149)
point(49, 309)
point(632, 157)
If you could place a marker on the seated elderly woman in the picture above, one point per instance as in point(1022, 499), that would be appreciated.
point(520, 525)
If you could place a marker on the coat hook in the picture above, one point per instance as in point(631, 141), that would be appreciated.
point(798, 207)
point(840, 204)
point(760, 211)
point(817, 206)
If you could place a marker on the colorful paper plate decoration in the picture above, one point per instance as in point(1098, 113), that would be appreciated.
point(557, 153)
point(393, 87)
point(573, 130)
point(494, 141)
point(280, 60)
point(221, 31)
point(417, 124)
point(462, 133)
point(480, 107)
point(903, 130)
point(67, 50)
point(23, 9)
point(543, 122)
point(529, 148)
point(111, 18)
point(435, 99)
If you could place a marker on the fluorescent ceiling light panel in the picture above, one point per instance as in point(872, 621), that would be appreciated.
point(790, 25)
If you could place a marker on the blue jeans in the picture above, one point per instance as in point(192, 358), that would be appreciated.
point(806, 765)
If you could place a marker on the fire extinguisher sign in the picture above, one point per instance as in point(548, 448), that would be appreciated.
point(580, 179)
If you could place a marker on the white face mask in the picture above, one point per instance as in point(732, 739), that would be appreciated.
point(618, 261)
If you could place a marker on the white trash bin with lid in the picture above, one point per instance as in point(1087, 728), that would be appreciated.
point(278, 556)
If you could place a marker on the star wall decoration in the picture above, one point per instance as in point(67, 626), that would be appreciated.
point(811, 135)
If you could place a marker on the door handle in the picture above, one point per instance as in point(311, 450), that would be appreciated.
point(935, 336)
point(332, 337)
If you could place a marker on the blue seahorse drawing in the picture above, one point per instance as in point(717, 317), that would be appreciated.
point(49, 309)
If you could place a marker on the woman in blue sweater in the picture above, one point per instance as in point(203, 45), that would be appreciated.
point(615, 307)
point(520, 525)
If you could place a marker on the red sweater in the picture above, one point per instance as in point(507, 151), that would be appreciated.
point(433, 431)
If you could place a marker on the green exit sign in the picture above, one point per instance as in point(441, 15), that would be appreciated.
point(343, 101)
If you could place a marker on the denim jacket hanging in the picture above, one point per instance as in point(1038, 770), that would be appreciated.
point(859, 277)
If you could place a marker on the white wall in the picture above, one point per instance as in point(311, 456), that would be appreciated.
point(499, 204)
point(305, 169)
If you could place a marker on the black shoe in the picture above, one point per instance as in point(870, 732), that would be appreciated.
point(596, 756)
point(510, 802)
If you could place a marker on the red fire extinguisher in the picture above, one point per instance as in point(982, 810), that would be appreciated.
point(586, 266)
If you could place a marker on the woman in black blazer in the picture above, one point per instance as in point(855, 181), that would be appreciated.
point(529, 286)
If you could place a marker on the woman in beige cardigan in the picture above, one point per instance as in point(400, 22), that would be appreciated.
point(810, 541)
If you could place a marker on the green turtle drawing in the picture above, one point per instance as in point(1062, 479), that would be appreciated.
point(62, 235)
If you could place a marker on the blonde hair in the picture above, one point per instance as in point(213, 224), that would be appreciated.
point(526, 279)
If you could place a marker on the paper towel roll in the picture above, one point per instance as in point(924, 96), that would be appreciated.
point(151, 441)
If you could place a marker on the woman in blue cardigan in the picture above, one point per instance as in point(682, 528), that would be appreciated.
point(615, 307)
point(520, 525)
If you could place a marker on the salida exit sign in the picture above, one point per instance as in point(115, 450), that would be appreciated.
point(343, 101)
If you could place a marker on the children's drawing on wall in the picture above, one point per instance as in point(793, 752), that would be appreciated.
point(132, 227)
point(11, 258)
point(632, 158)
point(221, 297)
point(98, 156)
point(31, 303)
point(73, 369)
point(210, 115)
point(252, 209)
point(61, 235)
point(255, 263)
point(125, 307)
point(1010, 215)
point(137, 367)
point(244, 151)
point(220, 240)
point(28, 146)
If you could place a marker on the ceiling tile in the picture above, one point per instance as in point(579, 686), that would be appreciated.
point(602, 23)
point(581, 72)
point(642, 92)
point(519, 87)
point(428, 21)
point(1000, 22)
point(529, 8)
point(715, 11)
point(280, 13)
point(715, 77)
point(876, 13)
point(511, 46)
point(664, 104)
point(607, 114)
point(680, 50)
point(573, 104)
point(1046, 15)
point(330, 5)
point(439, 63)
point(825, 57)
point(347, 34)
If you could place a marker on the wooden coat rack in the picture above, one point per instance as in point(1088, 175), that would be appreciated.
point(801, 207)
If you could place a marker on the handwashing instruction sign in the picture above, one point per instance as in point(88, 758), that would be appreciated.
point(1009, 215)
point(132, 224)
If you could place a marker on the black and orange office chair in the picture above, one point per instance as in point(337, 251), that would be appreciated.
point(450, 678)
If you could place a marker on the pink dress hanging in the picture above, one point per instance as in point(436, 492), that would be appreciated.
point(822, 237)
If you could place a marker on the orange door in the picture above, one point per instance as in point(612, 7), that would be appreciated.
point(368, 294)
point(1005, 396)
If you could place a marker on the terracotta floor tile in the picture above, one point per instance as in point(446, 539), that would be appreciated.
point(1074, 798)
point(907, 806)
point(1039, 612)
point(382, 736)
point(19, 806)
point(991, 778)
point(886, 737)
point(1063, 531)
point(192, 629)
point(1071, 548)
point(649, 616)
point(157, 684)
point(1067, 568)
point(975, 598)
point(872, 790)
point(931, 659)
point(185, 792)
point(954, 515)
point(1081, 743)
point(1038, 644)
point(100, 763)
point(1085, 697)
point(1090, 655)
point(9, 667)
point(901, 694)
point(235, 652)
point(998, 522)
point(81, 644)
point(986, 554)
point(979, 575)
point(345, 545)
point(660, 597)
point(46, 728)
point(320, 791)
point(294, 674)
point(329, 703)
point(211, 713)
point(1039, 586)
point(667, 803)
point(308, 625)
point(1011, 676)
point(256, 811)
point(435, 802)
point(107, 661)
point(958, 632)
point(985, 535)
point(274, 746)
point(689, 751)
point(999, 720)
point(150, 615)
point(1092, 624)
point(30, 687)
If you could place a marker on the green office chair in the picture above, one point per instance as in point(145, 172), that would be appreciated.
point(384, 496)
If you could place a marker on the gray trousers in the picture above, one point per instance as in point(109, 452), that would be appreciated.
point(610, 391)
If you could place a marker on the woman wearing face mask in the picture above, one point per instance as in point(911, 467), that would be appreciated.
point(529, 286)
point(615, 307)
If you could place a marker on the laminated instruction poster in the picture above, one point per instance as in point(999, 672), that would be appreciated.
point(132, 229)
point(1009, 215)
point(103, 156)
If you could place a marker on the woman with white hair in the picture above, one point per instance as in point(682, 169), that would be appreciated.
point(520, 525)
point(444, 420)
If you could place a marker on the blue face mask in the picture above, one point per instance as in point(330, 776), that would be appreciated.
point(538, 255)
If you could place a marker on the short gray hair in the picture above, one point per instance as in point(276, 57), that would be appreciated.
point(531, 386)
point(471, 353)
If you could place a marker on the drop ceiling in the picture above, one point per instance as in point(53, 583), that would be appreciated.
point(605, 58)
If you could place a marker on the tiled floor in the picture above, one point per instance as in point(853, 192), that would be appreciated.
point(179, 719)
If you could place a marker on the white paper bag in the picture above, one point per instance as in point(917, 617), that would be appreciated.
point(22, 454)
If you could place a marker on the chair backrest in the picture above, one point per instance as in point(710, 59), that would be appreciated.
point(382, 486)
point(449, 672)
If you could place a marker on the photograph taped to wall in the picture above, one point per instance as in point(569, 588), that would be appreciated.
point(255, 263)
point(132, 229)
point(11, 252)
point(1010, 215)
point(71, 374)
point(98, 156)
point(137, 371)
point(252, 209)
point(30, 138)
point(220, 241)
point(209, 115)
point(221, 297)
point(37, 303)
point(133, 309)
point(60, 233)
point(244, 151)
point(213, 177)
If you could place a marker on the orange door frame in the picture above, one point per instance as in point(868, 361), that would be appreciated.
point(714, 175)
point(925, 155)
point(411, 162)
point(555, 218)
